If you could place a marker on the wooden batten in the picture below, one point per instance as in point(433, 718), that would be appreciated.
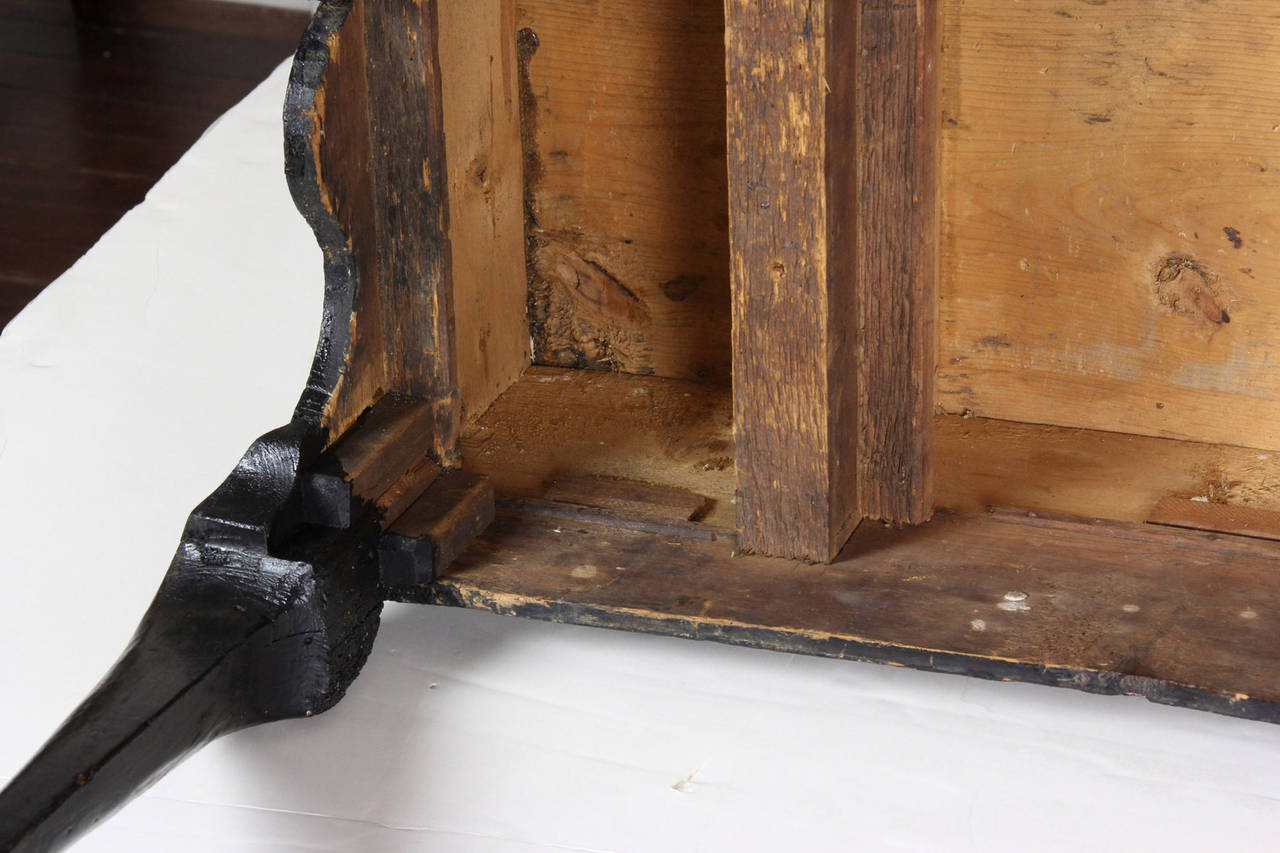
point(833, 217)
point(484, 163)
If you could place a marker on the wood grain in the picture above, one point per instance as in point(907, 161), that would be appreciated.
point(557, 423)
point(984, 463)
point(411, 198)
point(1112, 207)
point(833, 214)
point(785, 396)
point(629, 499)
point(628, 244)
point(477, 46)
point(891, 279)
point(1221, 518)
point(435, 529)
point(1098, 607)
point(379, 139)
point(384, 460)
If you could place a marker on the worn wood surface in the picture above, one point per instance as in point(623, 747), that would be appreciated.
point(984, 463)
point(434, 530)
point(892, 205)
point(629, 499)
point(1217, 517)
point(407, 488)
point(832, 208)
point(794, 410)
point(480, 87)
point(1177, 617)
point(378, 147)
point(556, 423)
point(1112, 204)
point(383, 459)
point(624, 106)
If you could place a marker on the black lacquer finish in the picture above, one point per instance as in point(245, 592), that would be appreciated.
point(258, 619)
point(261, 616)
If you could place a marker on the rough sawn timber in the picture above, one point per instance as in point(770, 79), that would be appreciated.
point(833, 218)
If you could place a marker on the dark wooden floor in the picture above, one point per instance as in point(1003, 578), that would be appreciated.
point(97, 101)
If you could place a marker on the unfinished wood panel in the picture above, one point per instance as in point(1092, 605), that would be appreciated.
point(1112, 208)
point(379, 140)
point(1100, 607)
point(1219, 518)
point(628, 249)
point(983, 463)
point(563, 423)
point(832, 157)
point(557, 423)
point(477, 47)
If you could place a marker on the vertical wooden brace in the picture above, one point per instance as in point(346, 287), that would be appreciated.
point(832, 124)
point(379, 141)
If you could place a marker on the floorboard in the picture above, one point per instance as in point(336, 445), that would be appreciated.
point(95, 107)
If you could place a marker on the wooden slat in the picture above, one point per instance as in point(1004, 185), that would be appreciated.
point(892, 277)
point(1180, 618)
point(436, 529)
point(1221, 518)
point(477, 46)
point(629, 499)
point(557, 423)
point(984, 463)
point(832, 207)
point(407, 488)
point(406, 118)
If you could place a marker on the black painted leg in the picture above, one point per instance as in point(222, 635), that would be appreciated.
point(258, 619)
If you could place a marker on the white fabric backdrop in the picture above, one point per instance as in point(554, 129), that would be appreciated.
point(133, 384)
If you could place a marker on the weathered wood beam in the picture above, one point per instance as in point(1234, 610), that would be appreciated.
point(378, 137)
point(833, 228)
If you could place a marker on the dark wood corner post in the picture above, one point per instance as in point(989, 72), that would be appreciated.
point(380, 150)
point(833, 211)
